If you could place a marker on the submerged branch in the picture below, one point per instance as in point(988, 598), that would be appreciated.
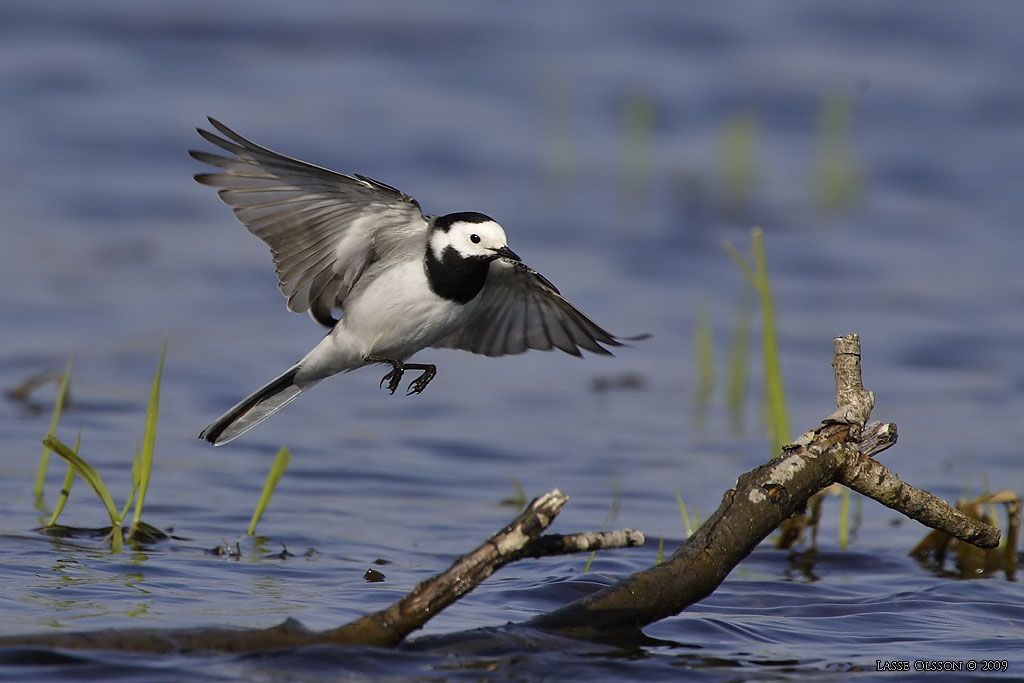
point(520, 539)
point(838, 450)
point(390, 626)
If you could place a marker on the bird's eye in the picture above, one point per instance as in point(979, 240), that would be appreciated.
point(475, 239)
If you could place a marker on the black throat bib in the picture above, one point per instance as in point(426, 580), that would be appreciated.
point(454, 277)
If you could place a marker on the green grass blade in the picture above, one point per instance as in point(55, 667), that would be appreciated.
point(739, 350)
point(661, 551)
point(65, 488)
point(739, 141)
point(687, 522)
point(86, 472)
point(135, 484)
point(148, 439)
point(273, 476)
point(837, 179)
point(858, 513)
point(639, 123)
point(775, 393)
point(705, 346)
point(844, 518)
point(741, 263)
point(44, 459)
point(613, 510)
point(518, 498)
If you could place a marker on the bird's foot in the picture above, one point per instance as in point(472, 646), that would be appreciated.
point(393, 378)
point(420, 383)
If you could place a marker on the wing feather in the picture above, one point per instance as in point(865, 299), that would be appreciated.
point(519, 309)
point(323, 228)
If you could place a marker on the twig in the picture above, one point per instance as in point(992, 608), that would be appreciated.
point(556, 544)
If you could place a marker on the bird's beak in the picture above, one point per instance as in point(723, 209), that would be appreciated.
point(505, 252)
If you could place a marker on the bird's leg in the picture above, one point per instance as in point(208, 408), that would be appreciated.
point(420, 383)
point(398, 368)
point(393, 378)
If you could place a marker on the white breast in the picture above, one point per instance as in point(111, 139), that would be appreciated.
point(397, 314)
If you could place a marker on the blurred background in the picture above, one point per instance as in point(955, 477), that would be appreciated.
point(878, 145)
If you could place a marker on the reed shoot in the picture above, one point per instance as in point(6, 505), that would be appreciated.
point(689, 522)
point(775, 395)
point(145, 460)
point(86, 472)
point(58, 406)
point(65, 488)
point(705, 345)
point(273, 476)
point(613, 511)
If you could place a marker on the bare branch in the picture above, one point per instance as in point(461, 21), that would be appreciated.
point(875, 481)
point(761, 501)
point(556, 544)
point(390, 626)
point(519, 539)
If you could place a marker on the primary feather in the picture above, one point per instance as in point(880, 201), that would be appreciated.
point(324, 229)
point(518, 309)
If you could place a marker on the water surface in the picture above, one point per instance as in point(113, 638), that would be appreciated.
point(522, 113)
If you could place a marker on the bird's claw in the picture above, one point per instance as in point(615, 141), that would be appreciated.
point(420, 383)
point(393, 378)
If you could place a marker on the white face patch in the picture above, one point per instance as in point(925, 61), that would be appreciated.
point(469, 239)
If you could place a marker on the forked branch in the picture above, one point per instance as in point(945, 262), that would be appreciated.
point(838, 450)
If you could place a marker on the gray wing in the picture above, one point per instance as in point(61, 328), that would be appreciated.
point(323, 228)
point(518, 309)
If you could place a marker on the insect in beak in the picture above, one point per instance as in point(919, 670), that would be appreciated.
point(505, 252)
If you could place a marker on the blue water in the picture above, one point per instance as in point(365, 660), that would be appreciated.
point(520, 111)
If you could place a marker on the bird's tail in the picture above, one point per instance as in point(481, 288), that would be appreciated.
point(256, 408)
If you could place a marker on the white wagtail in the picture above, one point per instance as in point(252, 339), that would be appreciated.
point(402, 281)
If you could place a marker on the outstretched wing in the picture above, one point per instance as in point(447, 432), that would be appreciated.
point(323, 228)
point(518, 309)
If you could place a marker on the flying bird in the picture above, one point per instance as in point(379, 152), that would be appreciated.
point(362, 260)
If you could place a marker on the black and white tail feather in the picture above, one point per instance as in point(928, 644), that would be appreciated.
point(256, 408)
point(362, 259)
